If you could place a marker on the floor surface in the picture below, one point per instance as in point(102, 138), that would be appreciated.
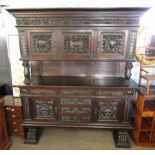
point(73, 139)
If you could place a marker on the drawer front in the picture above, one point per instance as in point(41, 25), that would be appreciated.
point(76, 110)
point(13, 112)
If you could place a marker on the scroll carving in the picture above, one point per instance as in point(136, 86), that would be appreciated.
point(75, 101)
point(108, 20)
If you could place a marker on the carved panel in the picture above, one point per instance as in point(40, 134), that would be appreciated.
point(42, 42)
point(132, 44)
point(66, 101)
point(103, 92)
point(75, 119)
point(23, 43)
point(112, 43)
point(108, 20)
point(76, 44)
point(44, 108)
point(108, 110)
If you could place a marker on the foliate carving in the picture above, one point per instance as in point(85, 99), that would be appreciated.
point(76, 44)
point(44, 109)
point(66, 101)
point(107, 110)
point(23, 44)
point(103, 92)
point(75, 119)
point(132, 44)
point(43, 91)
point(108, 20)
point(76, 92)
point(42, 42)
point(112, 43)
point(76, 110)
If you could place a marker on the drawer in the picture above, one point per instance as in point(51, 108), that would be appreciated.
point(13, 110)
point(74, 101)
point(75, 119)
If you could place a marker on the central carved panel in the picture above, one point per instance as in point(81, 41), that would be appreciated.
point(112, 43)
point(42, 42)
point(76, 44)
point(44, 109)
point(108, 110)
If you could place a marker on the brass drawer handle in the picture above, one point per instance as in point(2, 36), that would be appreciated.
point(13, 109)
point(15, 130)
point(14, 123)
point(13, 116)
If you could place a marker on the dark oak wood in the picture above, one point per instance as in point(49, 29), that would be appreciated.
point(77, 68)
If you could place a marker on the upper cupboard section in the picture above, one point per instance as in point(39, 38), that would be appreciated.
point(78, 43)
point(78, 34)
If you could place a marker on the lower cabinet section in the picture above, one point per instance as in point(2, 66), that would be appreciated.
point(109, 111)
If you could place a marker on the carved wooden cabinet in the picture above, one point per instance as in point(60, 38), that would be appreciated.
point(77, 68)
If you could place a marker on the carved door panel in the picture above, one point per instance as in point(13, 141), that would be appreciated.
point(112, 43)
point(42, 44)
point(109, 110)
point(44, 109)
point(77, 44)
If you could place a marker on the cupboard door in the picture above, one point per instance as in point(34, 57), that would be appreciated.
point(109, 110)
point(112, 43)
point(42, 44)
point(77, 44)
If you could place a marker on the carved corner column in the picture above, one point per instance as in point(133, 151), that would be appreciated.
point(26, 66)
point(128, 67)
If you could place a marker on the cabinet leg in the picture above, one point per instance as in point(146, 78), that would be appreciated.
point(32, 135)
point(121, 138)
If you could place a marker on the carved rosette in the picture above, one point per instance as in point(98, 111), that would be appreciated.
point(107, 110)
point(44, 109)
point(76, 44)
point(42, 42)
point(112, 43)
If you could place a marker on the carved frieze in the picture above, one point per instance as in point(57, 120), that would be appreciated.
point(107, 110)
point(112, 43)
point(44, 108)
point(76, 44)
point(43, 91)
point(105, 20)
point(66, 101)
point(42, 42)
